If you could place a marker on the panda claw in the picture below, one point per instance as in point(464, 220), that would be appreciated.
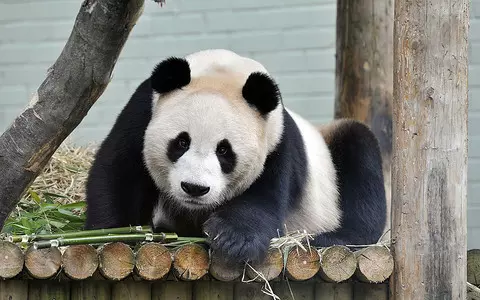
point(236, 244)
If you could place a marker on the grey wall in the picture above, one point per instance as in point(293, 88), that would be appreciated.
point(294, 39)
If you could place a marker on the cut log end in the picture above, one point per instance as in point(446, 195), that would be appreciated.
point(222, 271)
point(153, 261)
point(338, 264)
point(375, 264)
point(191, 262)
point(80, 261)
point(116, 261)
point(43, 263)
point(301, 264)
point(473, 266)
point(11, 260)
point(269, 269)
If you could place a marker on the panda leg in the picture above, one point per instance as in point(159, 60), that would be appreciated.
point(356, 156)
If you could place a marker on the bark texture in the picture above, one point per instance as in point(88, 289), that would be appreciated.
point(429, 168)
point(364, 71)
point(73, 84)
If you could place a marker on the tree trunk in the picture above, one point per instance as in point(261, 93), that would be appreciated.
point(364, 71)
point(429, 169)
point(73, 84)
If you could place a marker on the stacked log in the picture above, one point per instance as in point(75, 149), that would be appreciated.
point(192, 262)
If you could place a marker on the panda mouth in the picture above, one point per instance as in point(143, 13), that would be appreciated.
point(194, 202)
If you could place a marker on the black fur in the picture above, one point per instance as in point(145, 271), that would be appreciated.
point(228, 160)
point(171, 74)
point(356, 156)
point(120, 191)
point(175, 148)
point(261, 92)
point(245, 224)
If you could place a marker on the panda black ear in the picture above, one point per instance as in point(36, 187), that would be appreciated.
point(172, 73)
point(261, 92)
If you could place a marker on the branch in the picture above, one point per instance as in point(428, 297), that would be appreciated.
point(73, 84)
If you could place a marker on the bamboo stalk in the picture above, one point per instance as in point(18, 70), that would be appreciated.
point(125, 238)
point(11, 260)
point(78, 234)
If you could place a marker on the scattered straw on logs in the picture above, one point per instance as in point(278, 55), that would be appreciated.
point(153, 261)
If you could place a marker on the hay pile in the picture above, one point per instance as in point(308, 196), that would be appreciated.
point(65, 175)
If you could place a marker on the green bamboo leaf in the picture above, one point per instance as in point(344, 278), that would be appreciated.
point(35, 196)
point(57, 224)
point(50, 194)
point(78, 205)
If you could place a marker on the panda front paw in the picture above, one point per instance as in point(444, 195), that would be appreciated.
point(235, 242)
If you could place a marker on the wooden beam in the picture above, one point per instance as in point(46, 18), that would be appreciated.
point(364, 71)
point(429, 168)
point(72, 85)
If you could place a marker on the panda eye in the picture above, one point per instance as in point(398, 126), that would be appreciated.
point(222, 150)
point(182, 143)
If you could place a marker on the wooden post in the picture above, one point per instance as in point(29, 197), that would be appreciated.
point(429, 168)
point(364, 71)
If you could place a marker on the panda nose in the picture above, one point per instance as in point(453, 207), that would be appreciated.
point(194, 190)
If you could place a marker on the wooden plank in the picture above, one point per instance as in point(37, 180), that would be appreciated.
point(13, 290)
point(48, 290)
point(368, 291)
point(131, 290)
point(166, 290)
point(209, 289)
point(333, 291)
point(90, 289)
point(292, 290)
point(249, 291)
point(429, 168)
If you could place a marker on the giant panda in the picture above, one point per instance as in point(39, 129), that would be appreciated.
point(205, 147)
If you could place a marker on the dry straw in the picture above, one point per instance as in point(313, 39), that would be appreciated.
point(65, 174)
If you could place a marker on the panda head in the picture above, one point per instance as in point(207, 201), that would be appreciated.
point(216, 116)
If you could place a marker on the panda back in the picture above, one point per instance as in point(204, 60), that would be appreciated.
point(318, 209)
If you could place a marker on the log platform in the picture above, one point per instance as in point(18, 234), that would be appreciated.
point(152, 271)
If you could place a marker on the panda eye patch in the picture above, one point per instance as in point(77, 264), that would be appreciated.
point(178, 146)
point(226, 156)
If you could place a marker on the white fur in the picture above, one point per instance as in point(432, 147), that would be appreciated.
point(319, 210)
point(210, 117)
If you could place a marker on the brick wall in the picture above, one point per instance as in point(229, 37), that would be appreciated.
point(294, 39)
